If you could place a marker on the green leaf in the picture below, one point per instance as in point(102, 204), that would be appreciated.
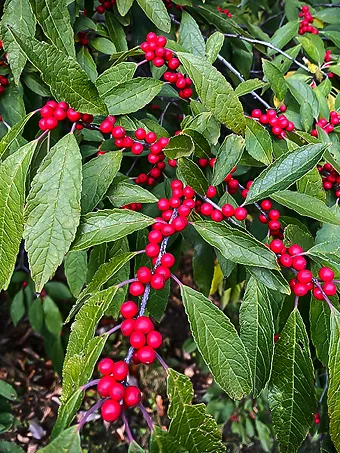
point(258, 142)
point(17, 308)
point(36, 314)
point(271, 279)
point(68, 81)
point(213, 46)
point(124, 6)
point(53, 209)
point(228, 155)
point(214, 91)
point(286, 170)
point(248, 86)
point(162, 442)
point(9, 447)
point(283, 35)
point(191, 426)
point(18, 14)
point(313, 46)
point(306, 205)
point(116, 32)
point(157, 13)
point(13, 134)
point(7, 391)
point(327, 253)
point(334, 379)
point(53, 319)
point(135, 448)
point(94, 187)
point(67, 442)
point(76, 271)
point(205, 124)
point(86, 61)
point(190, 36)
point(124, 192)
point(54, 19)
point(291, 389)
point(114, 76)
point(13, 173)
point(275, 79)
point(329, 232)
point(304, 95)
point(296, 235)
point(218, 342)
point(133, 95)
point(103, 45)
point(108, 225)
point(236, 245)
point(191, 174)
point(311, 184)
point(257, 332)
point(179, 146)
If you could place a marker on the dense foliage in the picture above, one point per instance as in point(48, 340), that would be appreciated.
point(136, 132)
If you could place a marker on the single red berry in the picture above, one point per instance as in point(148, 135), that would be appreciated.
point(286, 260)
point(300, 289)
point(173, 63)
point(127, 327)
point(105, 366)
point(132, 396)
point(329, 288)
point(164, 271)
point(117, 391)
point(144, 274)
point(216, 215)
point(317, 293)
point(110, 409)
point(73, 115)
point(168, 260)
point(228, 210)
point(299, 263)
point(266, 205)
point(276, 337)
point(155, 237)
point(60, 114)
point(120, 370)
point(168, 230)
point(137, 340)
point(326, 274)
point(175, 202)
point(256, 113)
point(180, 223)
point(206, 209)
point(283, 108)
point(144, 324)
point(274, 225)
point(172, 163)
point(188, 192)
point(203, 162)
point(276, 246)
point(274, 214)
point(152, 250)
point(106, 126)
point(53, 104)
point(150, 137)
point(136, 289)
point(295, 249)
point(140, 133)
point(105, 384)
point(157, 282)
point(154, 339)
point(211, 192)
point(304, 276)
point(263, 219)
point(46, 111)
point(146, 355)
point(240, 213)
point(118, 132)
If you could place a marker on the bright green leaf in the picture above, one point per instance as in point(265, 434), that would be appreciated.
point(179, 146)
point(334, 379)
point(13, 134)
point(190, 36)
point(228, 155)
point(67, 442)
point(213, 46)
point(248, 86)
point(124, 192)
point(157, 13)
point(258, 142)
point(114, 76)
point(275, 79)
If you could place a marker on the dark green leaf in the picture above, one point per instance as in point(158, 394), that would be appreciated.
point(190, 36)
point(179, 146)
point(17, 307)
point(258, 142)
point(304, 95)
point(271, 279)
point(53, 319)
point(124, 192)
point(283, 35)
point(116, 32)
point(157, 13)
point(162, 442)
point(227, 157)
point(103, 45)
point(248, 86)
point(124, 6)
point(275, 79)
point(114, 76)
point(86, 61)
point(192, 175)
point(7, 391)
point(334, 378)
point(311, 184)
point(13, 134)
point(76, 271)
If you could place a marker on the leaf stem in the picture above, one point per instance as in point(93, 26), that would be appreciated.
point(126, 282)
point(89, 412)
point(146, 416)
point(90, 384)
point(162, 362)
point(127, 428)
point(113, 330)
point(179, 283)
point(317, 284)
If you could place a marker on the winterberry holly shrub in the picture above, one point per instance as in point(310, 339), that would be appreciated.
point(133, 132)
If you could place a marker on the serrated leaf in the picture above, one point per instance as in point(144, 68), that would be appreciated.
point(86, 61)
point(54, 19)
point(258, 142)
point(68, 81)
point(304, 95)
point(181, 391)
point(190, 36)
point(306, 205)
point(131, 96)
point(291, 389)
point(179, 146)
point(334, 378)
point(257, 332)
point(162, 442)
point(192, 175)
point(114, 76)
point(124, 6)
point(287, 169)
point(228, 155)
point(275, 79)
point(76, 271)
point(157, 13)
point(13, 172)
point(95, 186)
point(213, 46)
point(313, 46)
point(19, 15)
point(248, 86)
point(219, 344)
point(116, 32)
point(67, 442)
point(236, 245)
point(124, 192)
point(108, 225)
point(327, 253)
point(13, 134)
point(214, 91)
point(311, 184)
point(53, 209)
point(271, 279)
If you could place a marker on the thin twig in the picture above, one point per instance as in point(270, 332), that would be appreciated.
point(163, 113)
point(146, 416)
point(89, 412)
point(127, 428)
point(161, 361)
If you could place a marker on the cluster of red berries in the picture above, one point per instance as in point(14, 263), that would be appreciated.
point(53, 112)
point(279, 123)
point(133, 206)
point(83, 40)
point(141, 331)
point(105, 5)
point(202, 162)
point(224, 11)
point(3, 84)
point(304, 282)
point(327, 125)
point(330, 178)
point(169, 5)
point(110, 386)
point(271, 217)
point(181, 82)
point(307, 20)
point(328, 57)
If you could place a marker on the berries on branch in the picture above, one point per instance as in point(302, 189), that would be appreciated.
point(305, 24)
point(53, 112)
point(327, 125)
point(279, 123)
point(105, 5)
point(330, 178)
point(224, 11)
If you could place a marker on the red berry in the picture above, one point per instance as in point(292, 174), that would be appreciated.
point(228, 210)
point(105, 366)
point(132, 396)
point(46, 111)
point(300, 289)
point(140, 133)
point(110, 409)
point(60, 114)
point(206, 209)
point(144, 274)
point(136, 289)
point(266, 205)
point(299, 263)
point(53, 104)
point(286, 260)
point(329, 288)
point(304, 276)
point(274, 214)
point(274, 225)
point(105, 384)
point(295, 250)
point(151, 137)
point(155, 237)
point(256, 113)
point(144, 324)
point(137, 340)
point(211, 192)
point(216, 215)
point(73, 115)
point(164, 271)
point(203, 162)
point(283, 108)
point(157, 282)
point(152, 250)
point(127, 327)
point(263, 219)
point(146, 355)
point(117, 391)
point(120, 370)
point(326, 274)
point(276, 246)
point(154, 339)
point(240, 213)
point(188, 192)
point(168, 230)
point(317, 294)
point(172, 162)
point(173, 63)
point(168, 260)
point(118, 132)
